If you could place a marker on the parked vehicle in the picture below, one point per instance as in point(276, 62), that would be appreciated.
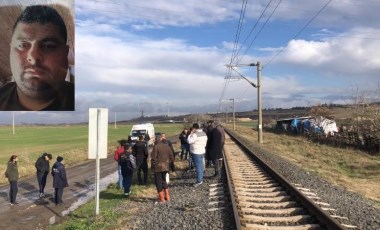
point(143, 129)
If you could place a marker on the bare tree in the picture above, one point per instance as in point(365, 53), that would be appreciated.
point(198, 118)
point(321, 110)
point(367, 110)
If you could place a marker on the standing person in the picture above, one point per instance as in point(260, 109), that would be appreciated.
point(58, 172)
point(223, 134)
point(184, 145)
point(140, 150)
point(198, 141)
point(39, 63)
point(215, 145)
point(162, 156)
point(42, 165)
point(127, 168)
point(169, 143)
point(191, 162)
point(147, 139)
point(116, 157)
point(209, 126)
point(12, 174)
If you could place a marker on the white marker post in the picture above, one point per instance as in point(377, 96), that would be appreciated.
point(97, 142)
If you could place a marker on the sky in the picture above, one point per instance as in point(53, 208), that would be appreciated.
point(169, 57)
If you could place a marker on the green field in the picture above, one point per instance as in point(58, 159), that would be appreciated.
point(69, 141)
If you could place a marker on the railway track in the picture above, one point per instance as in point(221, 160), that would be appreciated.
point(263, 199)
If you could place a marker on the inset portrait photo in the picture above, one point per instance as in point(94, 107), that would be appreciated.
point(37, 55)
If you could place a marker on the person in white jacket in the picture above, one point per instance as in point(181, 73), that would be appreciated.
point(198, 140)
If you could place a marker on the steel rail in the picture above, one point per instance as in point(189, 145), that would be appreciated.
point(325, 220)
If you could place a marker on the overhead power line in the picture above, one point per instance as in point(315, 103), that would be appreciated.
point(299, 32)
point(238, 31)
point(258, 33)
point(253, 28)
point(236, 42)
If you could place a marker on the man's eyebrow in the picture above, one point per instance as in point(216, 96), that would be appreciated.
point(51, 39)
point(47, 39)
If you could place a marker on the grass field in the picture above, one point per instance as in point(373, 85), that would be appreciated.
point(70, 141)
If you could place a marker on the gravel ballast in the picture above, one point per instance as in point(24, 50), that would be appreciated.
point(188, 208)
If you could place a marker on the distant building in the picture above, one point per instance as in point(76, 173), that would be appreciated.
point(244, 119)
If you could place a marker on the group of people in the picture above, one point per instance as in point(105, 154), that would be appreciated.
point(130, 158)
point(162, 160)
point(204, 145)
point(199, 144)
point(42, 165)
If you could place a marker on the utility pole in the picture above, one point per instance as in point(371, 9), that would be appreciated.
point(259, 104)
point(226, 116)
point(233, 109)
point(13, 123)
point(115, 121)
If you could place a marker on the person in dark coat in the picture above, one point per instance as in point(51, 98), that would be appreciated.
point(140, 151)
point(208, 130)
point(126, 169)
point(42, 165)
point(58, 172)
point(162, 156)
point(215, 146)
point(12, 174)
point(185, 147)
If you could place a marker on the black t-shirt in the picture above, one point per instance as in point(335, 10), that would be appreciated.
point(63, 102)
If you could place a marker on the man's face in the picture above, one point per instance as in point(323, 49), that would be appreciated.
point(129, 149)
point(38, 59)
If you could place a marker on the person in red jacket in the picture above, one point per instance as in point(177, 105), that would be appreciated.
point(116, 156)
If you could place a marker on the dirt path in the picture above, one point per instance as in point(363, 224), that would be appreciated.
point(35, 213)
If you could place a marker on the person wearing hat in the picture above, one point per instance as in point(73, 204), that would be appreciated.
point(42, 167)
point(59, 180)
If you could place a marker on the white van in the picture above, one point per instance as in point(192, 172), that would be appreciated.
point(142, 129)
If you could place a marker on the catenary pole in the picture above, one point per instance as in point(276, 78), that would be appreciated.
point(259, 105)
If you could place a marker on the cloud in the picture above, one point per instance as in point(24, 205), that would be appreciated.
point(129, 69)
point(154, 14)
point(347, 55)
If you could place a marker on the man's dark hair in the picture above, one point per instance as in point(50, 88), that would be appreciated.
point(43, 15)
point(196, 126)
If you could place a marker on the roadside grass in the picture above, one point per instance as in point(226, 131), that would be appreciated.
point(68, 141)
point(353, 169)
point(114, 208)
